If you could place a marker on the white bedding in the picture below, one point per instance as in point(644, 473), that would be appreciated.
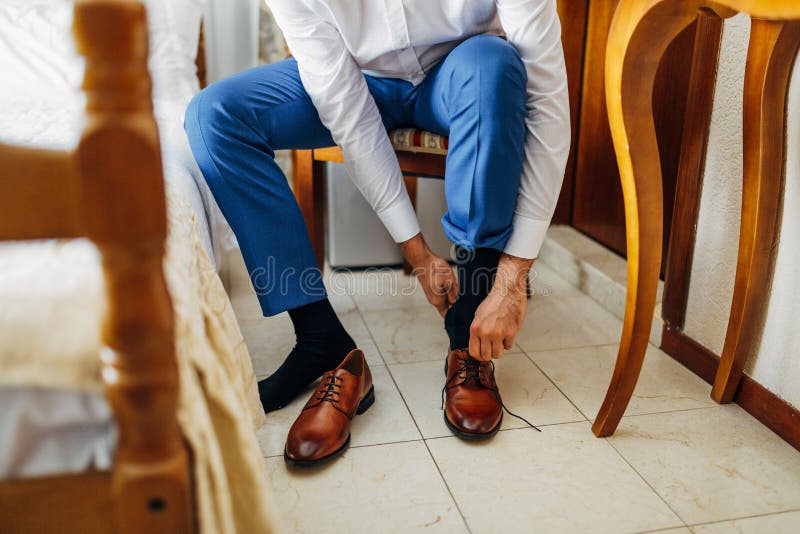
point(42, 105)
point(49, 430)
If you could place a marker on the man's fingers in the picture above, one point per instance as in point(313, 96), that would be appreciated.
point(452, 292)
point(497, 348)
point(440, 304)
point(486, 348)
point(474, 346)
point(508, 343)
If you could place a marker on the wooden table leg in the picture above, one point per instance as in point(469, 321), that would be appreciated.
point(640, 33)
point(771, 55)
point(308, 176)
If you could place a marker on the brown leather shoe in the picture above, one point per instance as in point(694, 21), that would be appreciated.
point(322, 430)
point(472, 406)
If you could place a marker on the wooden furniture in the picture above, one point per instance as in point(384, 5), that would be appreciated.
point(591, 197)
point(113, 177)
point(640, 33)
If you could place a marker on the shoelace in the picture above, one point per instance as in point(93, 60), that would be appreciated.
point(471, 369)
point(331, 393)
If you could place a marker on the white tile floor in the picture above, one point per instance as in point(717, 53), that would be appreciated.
point(678, 463)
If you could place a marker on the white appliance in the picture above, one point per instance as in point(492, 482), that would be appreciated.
point(355, 235)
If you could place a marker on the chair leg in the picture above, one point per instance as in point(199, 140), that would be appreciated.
point(773, 48)
point(638, 38)
point(411, 186)
point(308, 178)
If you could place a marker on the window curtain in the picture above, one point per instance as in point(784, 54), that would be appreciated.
point(231, 36)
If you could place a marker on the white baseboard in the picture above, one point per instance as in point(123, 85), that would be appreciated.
point(595, 270)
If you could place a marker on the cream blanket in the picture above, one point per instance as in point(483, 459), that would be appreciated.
point(51, 302)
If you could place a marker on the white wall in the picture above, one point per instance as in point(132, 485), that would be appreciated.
point(777, 364)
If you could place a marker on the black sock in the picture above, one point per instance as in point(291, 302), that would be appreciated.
point(476, 271)
point(322, 344)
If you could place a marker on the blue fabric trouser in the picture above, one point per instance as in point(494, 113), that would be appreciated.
point(476, 95)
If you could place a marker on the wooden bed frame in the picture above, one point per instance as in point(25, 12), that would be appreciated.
point(111, 190)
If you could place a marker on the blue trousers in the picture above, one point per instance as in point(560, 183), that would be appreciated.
point(476, 95)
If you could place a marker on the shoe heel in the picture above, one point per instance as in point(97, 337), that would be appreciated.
point(366, 402)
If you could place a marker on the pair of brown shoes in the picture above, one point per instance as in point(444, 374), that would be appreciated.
point(471, 401)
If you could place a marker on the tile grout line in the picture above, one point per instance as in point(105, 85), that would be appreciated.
point(446, 485)
point(647, 482)
point(410, 413)
point(681, 410)
point(521, 350)
point(515, 353)
point(576, 347)
point(754, 516)
point(433, 438)
point(610, 444)
point(624, 417)
point(549, 379)
point(366, 445)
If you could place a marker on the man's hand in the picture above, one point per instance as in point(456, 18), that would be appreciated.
point(435, 276)
point(499, 317)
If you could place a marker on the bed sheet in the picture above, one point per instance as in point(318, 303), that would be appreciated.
point(41, 104)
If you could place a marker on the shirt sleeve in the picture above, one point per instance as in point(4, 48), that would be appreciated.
point(339, 91)
point(534, 29)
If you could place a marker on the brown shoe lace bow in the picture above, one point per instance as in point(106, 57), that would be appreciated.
point(471, 370)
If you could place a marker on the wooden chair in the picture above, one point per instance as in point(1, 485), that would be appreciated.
point(111, 190)
point(420, 154)
point(640, 33)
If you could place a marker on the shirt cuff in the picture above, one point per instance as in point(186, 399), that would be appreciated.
point(527, 237)
point(401, 220)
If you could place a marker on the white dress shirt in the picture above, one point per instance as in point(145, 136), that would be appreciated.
point(334, 41)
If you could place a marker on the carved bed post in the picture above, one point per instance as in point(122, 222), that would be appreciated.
point(122, 186)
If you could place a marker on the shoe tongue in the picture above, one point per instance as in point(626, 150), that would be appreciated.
point(343, 373)
point(472, 371)
point(354, 363)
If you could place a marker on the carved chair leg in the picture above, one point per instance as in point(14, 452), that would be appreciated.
point(773, 48)
point(411, 186)
point(638, 38)
point(308, 178)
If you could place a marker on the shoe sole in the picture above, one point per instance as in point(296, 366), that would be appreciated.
point(363, 406)
point(471, 436)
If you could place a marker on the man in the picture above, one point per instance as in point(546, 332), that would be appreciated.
point(361, 68)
